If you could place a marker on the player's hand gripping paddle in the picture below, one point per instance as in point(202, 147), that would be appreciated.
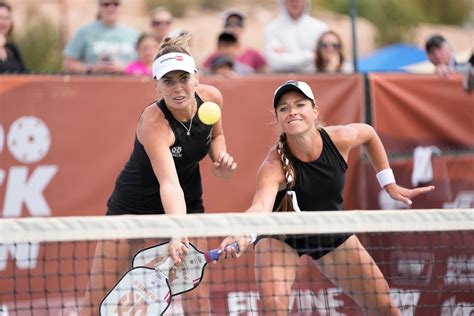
point(185, 277)
point(141, 291)
point(147, 288)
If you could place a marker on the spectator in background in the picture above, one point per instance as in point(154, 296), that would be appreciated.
point(161, 20)
point(10, 57)
point(440, 55)
point(329, 54)
point(234, 22)
point(228, 45)
point(147, 48)
point(222, 65)
point(104, 46)
point(290, 39)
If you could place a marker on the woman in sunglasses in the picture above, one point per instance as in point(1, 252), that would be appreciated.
point(103, 46)
point(329, 54)
point(161, 21)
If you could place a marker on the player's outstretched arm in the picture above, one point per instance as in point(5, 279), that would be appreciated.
point(365, 135)
point(269, 179)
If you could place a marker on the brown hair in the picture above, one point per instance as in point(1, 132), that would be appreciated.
point(286, 204)
point(5, 5)
point(176, 45)
point(320, 62)
point(143, 37)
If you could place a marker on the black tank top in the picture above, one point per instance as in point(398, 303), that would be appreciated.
point(137, 190)
point(319, 184)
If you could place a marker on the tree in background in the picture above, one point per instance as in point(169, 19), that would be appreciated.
point(396, 19)
point(40, 43)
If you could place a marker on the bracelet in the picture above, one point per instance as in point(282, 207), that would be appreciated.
point(385, 177)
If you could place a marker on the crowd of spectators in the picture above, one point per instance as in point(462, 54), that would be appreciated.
point(294, 42)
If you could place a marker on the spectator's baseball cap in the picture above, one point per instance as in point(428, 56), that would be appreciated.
point(220, 61)
point(435, 41)
point(292, 85)
point(173, 61)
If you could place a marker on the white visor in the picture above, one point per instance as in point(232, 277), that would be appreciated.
point(173, 61)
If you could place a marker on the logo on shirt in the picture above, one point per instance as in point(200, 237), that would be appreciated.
point(209, 138)
point(176, 151)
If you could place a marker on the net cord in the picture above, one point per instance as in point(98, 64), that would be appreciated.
point(75, 228)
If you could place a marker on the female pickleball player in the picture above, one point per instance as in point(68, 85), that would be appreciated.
point(162, 175)
point(308, 166)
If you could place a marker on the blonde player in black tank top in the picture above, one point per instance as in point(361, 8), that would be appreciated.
point(310, 162)
point(170, 142)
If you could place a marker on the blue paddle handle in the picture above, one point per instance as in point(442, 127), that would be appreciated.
point(214, 254)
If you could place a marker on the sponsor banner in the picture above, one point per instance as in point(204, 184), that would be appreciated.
point(421, 110)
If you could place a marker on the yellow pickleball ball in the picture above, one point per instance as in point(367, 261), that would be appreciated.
point(209, 113)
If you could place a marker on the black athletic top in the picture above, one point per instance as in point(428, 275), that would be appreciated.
point(319, 183)
point(137, 190)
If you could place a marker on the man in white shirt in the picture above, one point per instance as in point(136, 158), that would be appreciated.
point(290, 39)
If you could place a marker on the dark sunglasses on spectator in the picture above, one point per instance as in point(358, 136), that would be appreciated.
point(334, 45)
point(158, 23)
point(111, 3)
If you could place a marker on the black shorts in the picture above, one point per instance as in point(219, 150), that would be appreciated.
point(314, 246)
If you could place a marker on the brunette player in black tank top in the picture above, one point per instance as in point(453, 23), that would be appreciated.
point(162, 175)
point(308, 164)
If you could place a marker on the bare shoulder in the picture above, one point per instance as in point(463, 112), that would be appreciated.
point(209, 93)
point(272, 164)
point(341, 133)
point(152, 122)
point(345, 137)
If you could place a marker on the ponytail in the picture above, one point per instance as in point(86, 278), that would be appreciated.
point(286, 204)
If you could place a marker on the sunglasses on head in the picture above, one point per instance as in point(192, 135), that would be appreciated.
point(334, 45)
point(158, 23)
point(111, 3)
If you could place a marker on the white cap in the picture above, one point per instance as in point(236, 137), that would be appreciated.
point(292, 85)
point(173, 61)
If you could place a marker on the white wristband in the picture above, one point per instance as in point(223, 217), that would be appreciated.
point(385, 177)
point(253, 237)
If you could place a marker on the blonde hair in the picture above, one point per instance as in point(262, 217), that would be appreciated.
point(174, 45)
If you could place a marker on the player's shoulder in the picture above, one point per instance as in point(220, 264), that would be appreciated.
point(345, 136)
point(339, 131)
point(271, 168)
point(153, 118)
point(272, 160)
point(209, 93)
point(151, 123)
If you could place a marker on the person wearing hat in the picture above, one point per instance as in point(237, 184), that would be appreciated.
point(103, 46)
point(162, 175)
point(247, 60)
point(223, 65)
point(305, 171)
point(228, 45)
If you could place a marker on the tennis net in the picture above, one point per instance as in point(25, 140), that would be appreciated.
point(425, 256)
